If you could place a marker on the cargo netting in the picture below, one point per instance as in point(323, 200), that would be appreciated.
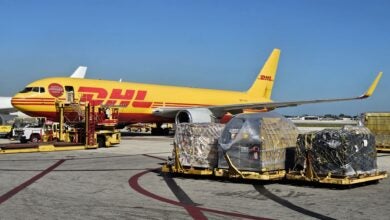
point(258, 142)
point(349, 151)
point(197, 144)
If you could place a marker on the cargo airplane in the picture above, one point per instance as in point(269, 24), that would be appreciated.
point(5, 102)
point(149, 103)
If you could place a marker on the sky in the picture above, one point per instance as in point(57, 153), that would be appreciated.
point(330, 49)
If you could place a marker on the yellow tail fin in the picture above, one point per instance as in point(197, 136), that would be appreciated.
point(262, 87)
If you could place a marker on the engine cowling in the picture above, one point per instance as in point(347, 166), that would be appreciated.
point(196, 115)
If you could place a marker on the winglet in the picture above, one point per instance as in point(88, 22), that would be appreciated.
point(79, 72)
point(371, 89)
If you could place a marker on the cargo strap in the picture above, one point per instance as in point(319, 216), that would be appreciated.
point(233, 171)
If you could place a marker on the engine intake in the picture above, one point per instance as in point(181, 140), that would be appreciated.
point(197, 115)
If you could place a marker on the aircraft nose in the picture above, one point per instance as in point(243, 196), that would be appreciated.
point(17, 102)
point(14, 102)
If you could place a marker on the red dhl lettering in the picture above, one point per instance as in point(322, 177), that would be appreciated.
point(98, 96)
point(267, 78)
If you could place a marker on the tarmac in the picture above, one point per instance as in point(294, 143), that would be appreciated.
point(125, 182)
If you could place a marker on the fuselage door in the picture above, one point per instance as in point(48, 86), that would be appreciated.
point(69, 94)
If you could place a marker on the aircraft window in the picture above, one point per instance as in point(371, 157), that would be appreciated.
point(26, 90)
point(41, 90)
point(35, 89)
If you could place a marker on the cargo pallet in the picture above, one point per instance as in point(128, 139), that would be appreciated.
point(309, 175)
point(179, 169)
point(42, 147)
point(268, 175)
point(383, 148)
point(337, 180)
point(232, 172)
point(186, 170)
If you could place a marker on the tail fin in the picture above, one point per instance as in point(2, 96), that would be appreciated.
point(262, 87)
point(79, 72)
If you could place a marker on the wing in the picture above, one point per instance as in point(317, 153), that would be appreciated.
point(6, 106)
point(220, 110)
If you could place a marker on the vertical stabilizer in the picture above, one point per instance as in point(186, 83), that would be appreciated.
point(262, 86)
point(79, 72)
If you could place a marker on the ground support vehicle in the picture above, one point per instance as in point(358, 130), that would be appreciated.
point(42, 131)
point(94, 128)
point(76, 130)
point(5, 130)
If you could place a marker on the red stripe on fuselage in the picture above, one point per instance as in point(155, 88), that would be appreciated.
point(30, 101)
point(17, 103)
point(124, 118)
point(32, 98)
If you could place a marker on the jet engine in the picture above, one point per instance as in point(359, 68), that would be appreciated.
point(197, 115)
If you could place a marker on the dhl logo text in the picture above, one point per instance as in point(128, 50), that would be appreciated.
point(267, 78)
point(98, 96)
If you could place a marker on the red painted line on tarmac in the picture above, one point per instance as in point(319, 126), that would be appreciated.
point(19, 188)
point(192, 210)
point(184, 198)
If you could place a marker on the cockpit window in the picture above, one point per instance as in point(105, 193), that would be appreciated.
point(26, 90)
point(33, 89)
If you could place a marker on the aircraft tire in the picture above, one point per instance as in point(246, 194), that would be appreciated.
point(101, 142)
point(34, 138)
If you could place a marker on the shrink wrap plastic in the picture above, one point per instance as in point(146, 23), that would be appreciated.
point(258, 142)
point(198, 144)
point(346, 152)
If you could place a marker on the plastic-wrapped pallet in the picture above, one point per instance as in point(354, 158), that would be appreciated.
point(345, 152)
point(258, 142)
point(198, 144)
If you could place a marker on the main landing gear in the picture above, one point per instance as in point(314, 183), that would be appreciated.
point(159, 131)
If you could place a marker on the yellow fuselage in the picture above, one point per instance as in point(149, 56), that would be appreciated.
point(137, 100)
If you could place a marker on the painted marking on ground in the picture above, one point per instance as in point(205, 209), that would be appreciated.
point(19, 188)
point(133, 183)
point(263, 191)
point(182, 196)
